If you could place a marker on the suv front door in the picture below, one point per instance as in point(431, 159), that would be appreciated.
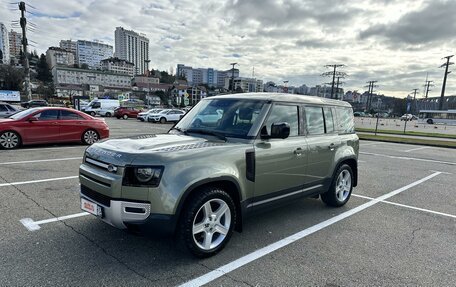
point(280, 164)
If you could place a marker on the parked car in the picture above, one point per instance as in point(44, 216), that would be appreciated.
point(408, 117)
point(170, 115)
point(7, 110)
point(144, 116)
point(203, 183)
point(106, 106)
point(359, 114)
point(34, 103)
point(126, 112)
point(50, 125)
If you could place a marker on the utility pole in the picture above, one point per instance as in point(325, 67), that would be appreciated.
point(148, 81)
point(448, 63)
point(428, 88)
point(23, 22)
point(232, 76)
point(369, 95)
point(414, 101)
point(334, 74)
point(338, 82)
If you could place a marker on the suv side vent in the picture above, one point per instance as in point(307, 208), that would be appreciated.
point(250, 165)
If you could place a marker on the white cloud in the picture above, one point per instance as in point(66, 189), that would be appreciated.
point(283, 40)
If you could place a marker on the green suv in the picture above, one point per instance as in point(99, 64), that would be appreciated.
point(205, 176)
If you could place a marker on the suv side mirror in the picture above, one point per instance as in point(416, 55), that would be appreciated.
point(32, 119)
point(278, 131)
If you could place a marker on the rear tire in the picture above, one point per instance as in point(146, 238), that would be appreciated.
point(108, 115)
point(9, 140)
point(90, 137)
point(163, 120)
point(429, 121)
point(208, 221)
point(341, 187)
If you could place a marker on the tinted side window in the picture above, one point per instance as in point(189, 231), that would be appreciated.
point(345, 122)
point(314, 120)
point(67, 115)
point(48, 115)
point(3, 108)
point(281, 114)
point(329, 120)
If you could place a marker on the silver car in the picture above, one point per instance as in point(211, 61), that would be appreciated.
point(7, 110)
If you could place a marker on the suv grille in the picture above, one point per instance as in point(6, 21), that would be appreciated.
point(100, 164)
point(98, 197)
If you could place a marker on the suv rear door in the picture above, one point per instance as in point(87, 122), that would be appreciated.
point(323, 141)
point(280, 164)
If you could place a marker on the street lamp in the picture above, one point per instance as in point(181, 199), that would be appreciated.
point(148, 81)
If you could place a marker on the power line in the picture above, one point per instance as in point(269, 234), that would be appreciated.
point(371, 87)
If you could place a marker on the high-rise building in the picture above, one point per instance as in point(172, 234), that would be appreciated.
point(15, 44)
point(69, 45)
point(91, 53)
point(132, 47)
point(4, 45)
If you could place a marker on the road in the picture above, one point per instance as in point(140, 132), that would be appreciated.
point(397, 229)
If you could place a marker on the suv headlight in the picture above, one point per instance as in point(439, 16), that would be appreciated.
point(146, 176)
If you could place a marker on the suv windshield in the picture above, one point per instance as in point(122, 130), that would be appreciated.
point(227, 117)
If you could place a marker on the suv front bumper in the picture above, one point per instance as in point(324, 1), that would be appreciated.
point(119, 213)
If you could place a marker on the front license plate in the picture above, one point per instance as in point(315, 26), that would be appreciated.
point(90, 207)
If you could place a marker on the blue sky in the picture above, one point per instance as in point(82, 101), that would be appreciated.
point(394, 42)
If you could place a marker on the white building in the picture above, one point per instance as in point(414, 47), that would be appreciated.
point(4, 45)
point(91, 53)
point(58, 56)
point(132, 47)
point(15, 44)
point(69, 45)
point(73, 76)
point(118, 66)
point(248, 85)
point(208, 76)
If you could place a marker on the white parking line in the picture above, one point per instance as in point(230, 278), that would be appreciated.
point(219, 272)
point(35, 225)
point(40, 160)
point(407, 158)
point(37, 181)
point(407, 206)
point(418, 148)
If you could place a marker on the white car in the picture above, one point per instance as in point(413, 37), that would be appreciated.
point(106, 112)
point(170, 115)
point(144, 116)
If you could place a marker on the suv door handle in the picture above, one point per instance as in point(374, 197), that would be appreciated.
point(332, 146)
point(298, 151)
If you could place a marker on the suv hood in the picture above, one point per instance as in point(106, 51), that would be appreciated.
point(125, 151)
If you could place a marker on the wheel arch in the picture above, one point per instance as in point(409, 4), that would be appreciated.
point(228, 184)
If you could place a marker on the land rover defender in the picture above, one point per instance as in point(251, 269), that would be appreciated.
point(205, 176)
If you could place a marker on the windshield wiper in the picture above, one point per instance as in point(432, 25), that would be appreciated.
point(207, 132)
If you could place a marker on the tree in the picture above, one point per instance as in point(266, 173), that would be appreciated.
point(42, 69)
point(11, 78)
point(84, 66)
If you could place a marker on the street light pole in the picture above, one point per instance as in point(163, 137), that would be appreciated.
point(148, 82)
point(232, 76)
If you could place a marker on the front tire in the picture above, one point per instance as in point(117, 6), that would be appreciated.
point(429, 121)
point(125, 117)
point(208, 221)
point(90, 137)
point(163, 120)
point(93, 114)
point(341, 187)
point(9, 140)
point(108, 115)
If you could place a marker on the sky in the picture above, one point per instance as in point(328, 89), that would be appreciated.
point(395, 42)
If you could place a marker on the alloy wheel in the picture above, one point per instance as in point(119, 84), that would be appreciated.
point(90, 137)
point(9, 140)
point(343, 185)
point(211, 224)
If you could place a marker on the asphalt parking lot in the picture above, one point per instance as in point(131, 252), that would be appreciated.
point(399, 228)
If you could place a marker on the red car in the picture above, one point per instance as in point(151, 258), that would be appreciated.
point(126, 112)
point(50, 125)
